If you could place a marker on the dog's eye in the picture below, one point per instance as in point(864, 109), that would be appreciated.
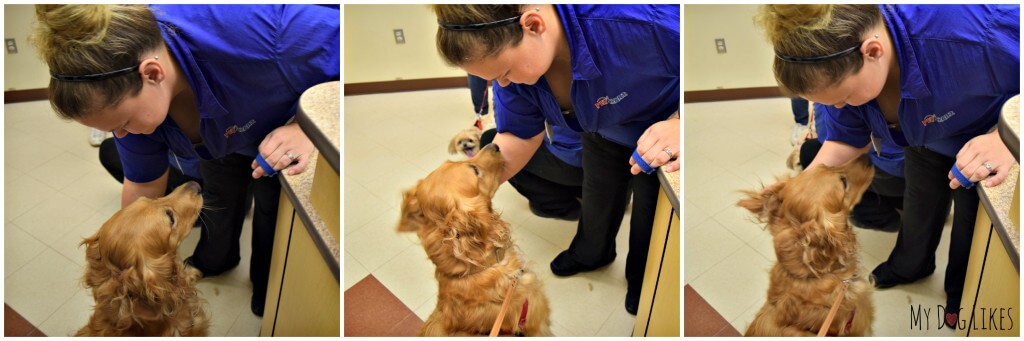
point(475, 169)
point(170, 214)
point(843, 179)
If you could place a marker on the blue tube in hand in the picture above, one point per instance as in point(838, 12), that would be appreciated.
point(643, 164)
point(964, 181)
point(267, 168)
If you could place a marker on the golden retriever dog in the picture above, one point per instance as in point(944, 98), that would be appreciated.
point(472, 249)
point(467, 141)
point(140, 286)
point(816, 251)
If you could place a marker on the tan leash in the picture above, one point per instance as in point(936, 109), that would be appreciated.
point(504, 305)
point(832, 312)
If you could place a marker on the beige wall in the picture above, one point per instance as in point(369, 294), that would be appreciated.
point(371, 54)
point(747, 61)
point(23, 70)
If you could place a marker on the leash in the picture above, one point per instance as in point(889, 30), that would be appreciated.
point(504, 304)
point(835, 308)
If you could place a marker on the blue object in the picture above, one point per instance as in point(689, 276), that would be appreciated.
point(643, 164)
point(267, 168)
point(960, 177)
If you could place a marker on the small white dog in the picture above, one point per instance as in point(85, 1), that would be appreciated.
point(467, 141)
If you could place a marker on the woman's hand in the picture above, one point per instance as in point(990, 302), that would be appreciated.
point(282, 147)
point(981, 157)
point(659, 146)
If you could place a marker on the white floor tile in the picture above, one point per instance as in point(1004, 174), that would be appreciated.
point(387, 242)
point(354, 271)
point(735, 284)
point(19, 248)
point(71, 316)
point(42, 286)
point(53, 217)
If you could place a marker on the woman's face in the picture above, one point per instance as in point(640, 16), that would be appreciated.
point(140, 114)
point(522, 64)
point(855, 90)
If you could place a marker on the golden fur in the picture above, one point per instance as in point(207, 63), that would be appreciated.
point(467, 141)
point(816, 250)
point(140, 286)
point(472, 249)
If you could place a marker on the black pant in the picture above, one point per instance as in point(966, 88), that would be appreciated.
point(228, 179)
point(925, 208)
point(606, 188)
point(228, 192)
point(550, 184)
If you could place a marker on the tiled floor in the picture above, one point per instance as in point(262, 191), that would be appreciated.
point(393, 140)
point(731, 146)
point(55, 193)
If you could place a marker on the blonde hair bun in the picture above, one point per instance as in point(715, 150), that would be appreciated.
point(61, 26)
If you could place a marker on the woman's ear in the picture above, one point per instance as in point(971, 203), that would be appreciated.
point(532, 21)
point(873, 49)
point(152, 69)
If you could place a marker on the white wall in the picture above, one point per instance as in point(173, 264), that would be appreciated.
point(23, 70)
point(748, 58)
point(371, 54)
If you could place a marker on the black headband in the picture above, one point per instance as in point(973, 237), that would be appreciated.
point(95, 76)
point(811, 60)
point(480, 26)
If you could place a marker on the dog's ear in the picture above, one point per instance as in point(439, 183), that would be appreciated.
point(96, 273)
point(765, 202)
point(411, 218)
point(473, 228)
point(453, 145)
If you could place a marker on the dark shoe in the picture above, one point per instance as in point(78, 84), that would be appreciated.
point(257, 304)
point(883, 277)
point(632, 301)
point(564, 265)
point(571, 215)
point(202, 269)
point(891, 224)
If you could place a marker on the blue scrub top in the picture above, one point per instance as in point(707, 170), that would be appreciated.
point(886, 156)
point(958, 65)
point(625, 70)
point(247, 65)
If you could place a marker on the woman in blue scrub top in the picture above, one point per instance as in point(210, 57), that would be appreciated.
point(610, 73)
point(930, 79)
point(212, 83)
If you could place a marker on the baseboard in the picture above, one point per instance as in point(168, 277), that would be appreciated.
point(16, 96)
point(405, 85)
point(731, 94)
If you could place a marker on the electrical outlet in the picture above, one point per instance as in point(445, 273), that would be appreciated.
point(399, 36)
point(720, 45)
point(12, 47)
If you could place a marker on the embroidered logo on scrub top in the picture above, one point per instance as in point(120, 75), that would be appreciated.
point(236, 129)
point(605, 100)
point(937, 119)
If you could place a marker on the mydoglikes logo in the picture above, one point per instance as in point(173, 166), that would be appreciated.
point(937, 119)
point(605, 100)
point(236, 129)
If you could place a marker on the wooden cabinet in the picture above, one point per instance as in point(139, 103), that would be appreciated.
point(658, 313)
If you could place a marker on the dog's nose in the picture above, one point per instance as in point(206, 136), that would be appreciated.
point(194, 186)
